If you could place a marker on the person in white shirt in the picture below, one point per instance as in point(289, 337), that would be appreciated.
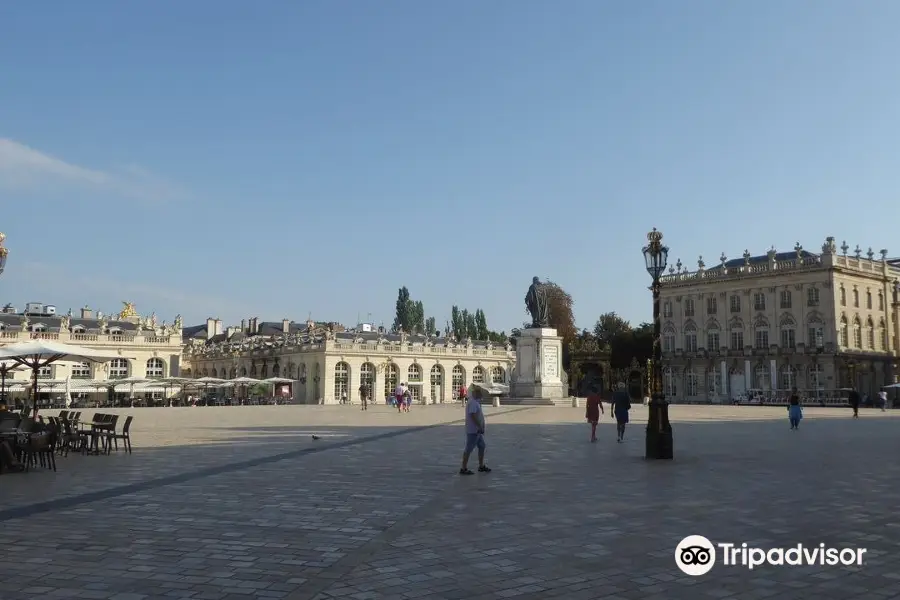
point(474, 432)
point(882, 399)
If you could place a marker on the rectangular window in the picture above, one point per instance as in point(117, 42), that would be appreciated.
point(762, 339)
point(712, 340)
point(880, 301)
point(869, 300)
point(786, 299)
point(712, 306)
point(788, 338)
point(759, 301)
point(668, 343)
point(689, 308)
point(667, 310)
point(735, 304)
point(81, 371)
point(812, 297)
point(737, 340)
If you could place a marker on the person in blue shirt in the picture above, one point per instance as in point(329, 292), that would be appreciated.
point(620, 405)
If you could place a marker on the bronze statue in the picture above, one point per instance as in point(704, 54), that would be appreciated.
point(537, 304)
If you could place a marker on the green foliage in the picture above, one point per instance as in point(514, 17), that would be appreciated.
point(260, 389)
point(481, 328)
point(430, 326)
point(456, 322)
point(402, 318)
point(625, 343)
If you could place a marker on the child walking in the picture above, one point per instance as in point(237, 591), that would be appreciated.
point(795, 413)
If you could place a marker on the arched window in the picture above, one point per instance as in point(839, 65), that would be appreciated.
point(737, 335)
point(367, 374)
point(855, 298)
point(713, 341)
point(788, 378)
point(788, 333)
point(690, 337)
point(264, 370)
point(437, 383)
point(38, 328)
point(414, 373)
point(79, 329)
point(880, 300)
point(882, 336)
point(118, 369)
point(691, 381)
point(761, 334)
point(857, 333)
point(204, 373)
point(498, 375)
point(761, 378)
point(276, 370)
point(816, 377)
point(457, 380)
point(81, 370)
point(869, 299)
point(843, 333)
point(155, 368)
point(45, 372)
point(668, 339)
point(668, 382)
point(341, 381)
point(215, 373)
point(843, 296)
point(243, 371)
point(478, 374)
point(391, 374)
point(233, 373)
point(870, 334)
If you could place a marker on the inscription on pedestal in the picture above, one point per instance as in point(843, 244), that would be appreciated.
point(551, 363)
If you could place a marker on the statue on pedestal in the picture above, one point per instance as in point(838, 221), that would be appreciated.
point(537, 304)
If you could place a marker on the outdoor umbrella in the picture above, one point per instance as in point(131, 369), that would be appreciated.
point(5, 368)
point(40, 353)
point(171, 382)
point(276, 380)
point(244, 382)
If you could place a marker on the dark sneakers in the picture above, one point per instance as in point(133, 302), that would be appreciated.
point(484, 469)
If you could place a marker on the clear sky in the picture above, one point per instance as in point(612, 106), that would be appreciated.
point(275, 159)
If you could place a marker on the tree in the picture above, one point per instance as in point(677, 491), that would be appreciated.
point(430, 326)
point(481, 328)
point(456, 322)
point(609, 327)
point(402, 318)
point(471, 326)
point(562, 318)
point(417, 317)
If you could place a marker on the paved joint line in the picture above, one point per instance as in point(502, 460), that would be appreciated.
point(21, 512)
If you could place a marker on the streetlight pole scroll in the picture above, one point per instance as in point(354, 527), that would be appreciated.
point(659, 444)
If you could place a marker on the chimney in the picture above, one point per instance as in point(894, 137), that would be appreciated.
point(285, 326)
point(219, 329)
point(243, 325)
point(254, 325)
point(87, 313)
point(210, 328)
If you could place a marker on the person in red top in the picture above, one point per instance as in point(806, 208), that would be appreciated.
point(593, 410)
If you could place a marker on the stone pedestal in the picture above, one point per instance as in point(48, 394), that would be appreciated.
point(538, 375)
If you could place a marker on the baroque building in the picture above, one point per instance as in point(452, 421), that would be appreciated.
point(820, 322)
point(148, 348)
point(324, 362)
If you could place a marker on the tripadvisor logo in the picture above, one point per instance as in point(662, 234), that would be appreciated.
point(695, 555)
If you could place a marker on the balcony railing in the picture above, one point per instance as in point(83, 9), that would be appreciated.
point(13, 336)
point(363, 348)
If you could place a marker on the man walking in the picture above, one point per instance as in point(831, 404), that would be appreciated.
point(854, 402)
point(364, 396)
point(474, 433)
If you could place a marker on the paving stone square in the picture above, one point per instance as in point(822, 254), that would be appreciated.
point(242, 503)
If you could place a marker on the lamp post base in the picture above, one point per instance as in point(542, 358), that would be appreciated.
point(659, 444)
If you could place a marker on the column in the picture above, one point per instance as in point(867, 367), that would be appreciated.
point(723, 389)
point(773, 370)
point(748, 380)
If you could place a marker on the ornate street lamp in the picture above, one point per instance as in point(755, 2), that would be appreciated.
point(3, 252)
point(659, 430)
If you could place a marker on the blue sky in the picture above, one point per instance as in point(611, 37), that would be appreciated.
point(276, 159)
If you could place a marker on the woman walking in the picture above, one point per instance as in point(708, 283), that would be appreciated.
point(593, 410)
point(621, 404)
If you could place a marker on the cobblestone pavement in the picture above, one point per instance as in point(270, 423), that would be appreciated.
point(242, 503)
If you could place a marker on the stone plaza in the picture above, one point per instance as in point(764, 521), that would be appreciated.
point(242, 503)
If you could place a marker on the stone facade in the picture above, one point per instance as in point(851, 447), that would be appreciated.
point(324, 363)
point(818, 322)
point(148, 348)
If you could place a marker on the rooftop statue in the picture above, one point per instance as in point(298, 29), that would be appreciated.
point(128, 311)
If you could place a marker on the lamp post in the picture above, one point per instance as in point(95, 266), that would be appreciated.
point(659, 430)
point(3, 252)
